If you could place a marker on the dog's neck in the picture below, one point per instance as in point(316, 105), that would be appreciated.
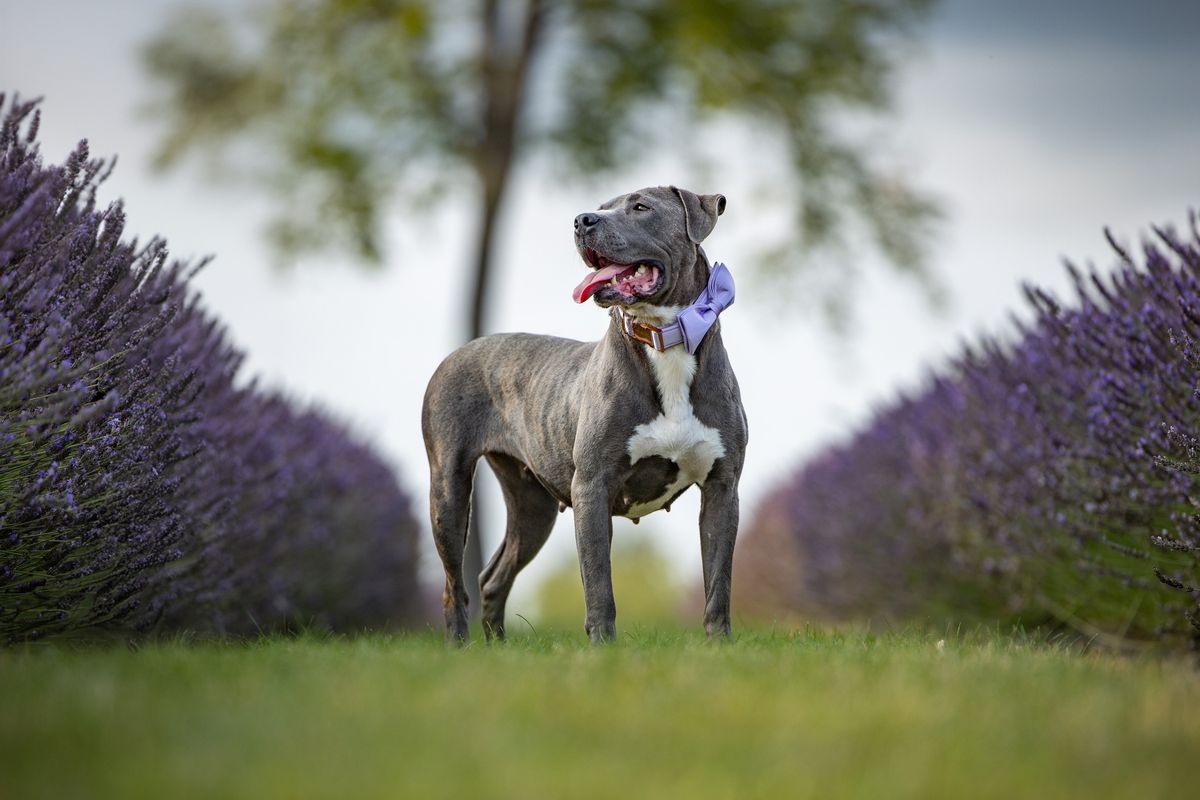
point(661, 336)
point(648, 314)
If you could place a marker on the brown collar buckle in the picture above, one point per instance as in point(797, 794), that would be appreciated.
point(642, 332)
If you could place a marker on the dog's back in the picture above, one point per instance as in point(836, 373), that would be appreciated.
point(511, 393)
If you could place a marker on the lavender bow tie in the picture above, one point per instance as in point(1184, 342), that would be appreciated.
point(695, 320)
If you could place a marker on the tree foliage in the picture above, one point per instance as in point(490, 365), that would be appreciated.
point(352, 104)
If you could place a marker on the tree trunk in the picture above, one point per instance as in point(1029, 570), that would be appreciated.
point(473, 555)
point(504, 66)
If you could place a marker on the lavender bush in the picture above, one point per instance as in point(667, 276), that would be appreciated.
point(1050, 479)
point(140, 487)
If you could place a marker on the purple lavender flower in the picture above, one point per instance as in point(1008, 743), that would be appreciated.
point(139, 486)
point(1050, 478)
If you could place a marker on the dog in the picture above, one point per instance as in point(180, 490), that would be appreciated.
point(619, 427)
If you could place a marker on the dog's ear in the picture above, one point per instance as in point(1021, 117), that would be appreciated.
point(700, 212)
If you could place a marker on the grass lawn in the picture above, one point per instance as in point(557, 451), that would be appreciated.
point(812, 714)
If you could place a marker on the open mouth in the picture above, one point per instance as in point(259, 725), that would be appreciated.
point(624, 281)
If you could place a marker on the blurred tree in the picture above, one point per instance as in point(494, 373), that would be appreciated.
point(351, 104)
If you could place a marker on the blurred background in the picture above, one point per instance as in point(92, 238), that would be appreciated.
point(1000, 137)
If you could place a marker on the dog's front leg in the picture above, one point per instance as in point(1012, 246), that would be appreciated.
point(593, 541)
point(718, 532)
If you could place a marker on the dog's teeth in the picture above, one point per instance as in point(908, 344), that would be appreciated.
point(612, 282)
point(641, 270)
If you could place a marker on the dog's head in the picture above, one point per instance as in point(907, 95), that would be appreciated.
point(644, 247)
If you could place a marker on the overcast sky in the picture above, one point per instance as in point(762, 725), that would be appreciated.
point(1036, 123)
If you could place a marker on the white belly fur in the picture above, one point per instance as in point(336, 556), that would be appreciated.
point(675, 433)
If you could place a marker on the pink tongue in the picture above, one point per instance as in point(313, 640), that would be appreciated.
point(594, 280)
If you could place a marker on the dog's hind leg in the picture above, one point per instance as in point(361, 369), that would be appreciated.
point(449, 513)
point(531, 514)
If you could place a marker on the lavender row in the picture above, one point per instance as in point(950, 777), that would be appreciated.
point(1048, 479)
point(140, 487)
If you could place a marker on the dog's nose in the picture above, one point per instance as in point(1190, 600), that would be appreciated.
point(585, 221)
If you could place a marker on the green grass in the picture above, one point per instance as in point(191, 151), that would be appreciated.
point(812, 714)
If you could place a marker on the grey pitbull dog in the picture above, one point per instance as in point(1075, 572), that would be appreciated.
point(610, 428)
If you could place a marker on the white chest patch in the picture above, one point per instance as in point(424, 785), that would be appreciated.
point(674, 434)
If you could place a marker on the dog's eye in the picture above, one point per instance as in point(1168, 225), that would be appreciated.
point(640, 207)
